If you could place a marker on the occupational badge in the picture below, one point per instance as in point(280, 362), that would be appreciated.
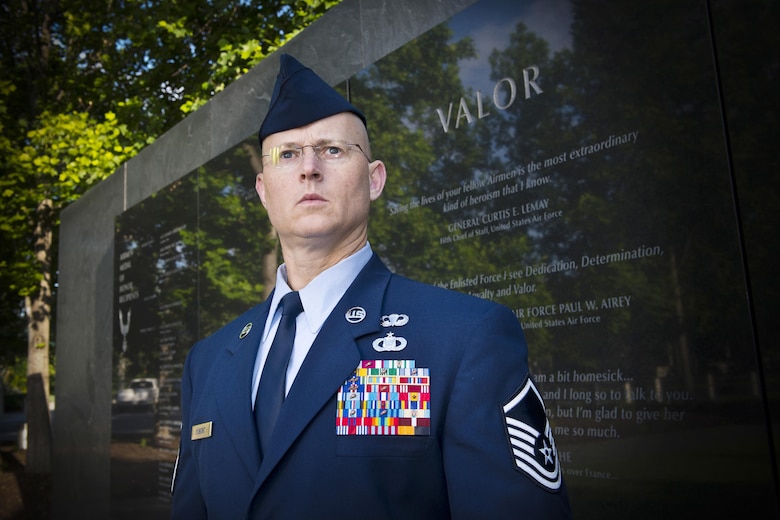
point(390, 343)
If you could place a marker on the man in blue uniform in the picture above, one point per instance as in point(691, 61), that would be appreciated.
point(352, 390)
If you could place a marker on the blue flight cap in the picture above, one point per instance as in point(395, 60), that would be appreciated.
point(301, 97)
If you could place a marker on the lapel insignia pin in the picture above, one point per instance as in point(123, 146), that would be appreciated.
point(389, 343)
point(394, 320)
point(355, 314)
point(245, 330)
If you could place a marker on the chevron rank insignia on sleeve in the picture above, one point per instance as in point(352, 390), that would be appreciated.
point(530, 437)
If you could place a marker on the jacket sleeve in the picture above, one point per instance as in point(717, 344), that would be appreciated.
point(185, 486)
point(499, 454)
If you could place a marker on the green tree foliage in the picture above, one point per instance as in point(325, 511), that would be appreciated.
point(237, 268)
point(424, 162)
point(88, 83)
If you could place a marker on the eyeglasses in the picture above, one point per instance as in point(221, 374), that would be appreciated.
point(331, 152)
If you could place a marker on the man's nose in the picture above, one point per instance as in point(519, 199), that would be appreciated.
point(310, 163)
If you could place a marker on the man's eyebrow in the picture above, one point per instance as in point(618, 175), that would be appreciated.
point(320, 141)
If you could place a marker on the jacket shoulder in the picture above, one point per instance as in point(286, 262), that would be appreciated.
point(251, 321)
point(406, 289)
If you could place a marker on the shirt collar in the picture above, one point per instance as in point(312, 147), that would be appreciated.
point(321, 295)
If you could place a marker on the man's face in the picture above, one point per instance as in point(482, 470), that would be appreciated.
point(316, 203)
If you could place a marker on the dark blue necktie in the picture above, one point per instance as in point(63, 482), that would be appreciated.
point(270, 391)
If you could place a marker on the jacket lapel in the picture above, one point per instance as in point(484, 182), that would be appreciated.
point(332, 358)
point(234, 379)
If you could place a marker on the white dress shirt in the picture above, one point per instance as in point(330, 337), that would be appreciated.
point(319, 297)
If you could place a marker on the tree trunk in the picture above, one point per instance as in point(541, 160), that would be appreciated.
point(38, 330)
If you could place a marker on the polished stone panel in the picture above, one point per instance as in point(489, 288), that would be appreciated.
point(748, 75)
point(573, 164)
point(606, 171)
point(81, 426)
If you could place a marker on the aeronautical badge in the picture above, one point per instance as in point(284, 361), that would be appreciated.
point(394, 320)
point(530, 437)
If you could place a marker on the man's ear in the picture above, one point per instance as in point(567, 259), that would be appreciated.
point(377, 175)
point(260, 187)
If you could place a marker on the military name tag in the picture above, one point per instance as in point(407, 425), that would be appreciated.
point(201, 431)
point(385, 397)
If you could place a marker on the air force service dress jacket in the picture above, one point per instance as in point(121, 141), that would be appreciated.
point(471, 441)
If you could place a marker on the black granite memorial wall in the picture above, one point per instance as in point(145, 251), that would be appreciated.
point(595, 167)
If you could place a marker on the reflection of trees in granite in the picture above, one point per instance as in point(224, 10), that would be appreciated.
point(609, 161)
point(192, 276)
point(236, 244)
point(670, 189)
point(454, 197)
point(187, 263)
point(624, 262)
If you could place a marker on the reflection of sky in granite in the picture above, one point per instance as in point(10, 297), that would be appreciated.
point(490, 22)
